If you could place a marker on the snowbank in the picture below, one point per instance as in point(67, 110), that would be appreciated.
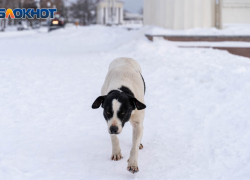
point(228, 30)
point(197, 123)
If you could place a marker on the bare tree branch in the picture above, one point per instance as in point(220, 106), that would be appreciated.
point(84, 10)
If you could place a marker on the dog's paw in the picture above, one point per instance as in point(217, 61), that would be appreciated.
point(132, 167)
point(141, 146)
point(116, 156)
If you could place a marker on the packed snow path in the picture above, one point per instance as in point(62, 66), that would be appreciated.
point(197, 124)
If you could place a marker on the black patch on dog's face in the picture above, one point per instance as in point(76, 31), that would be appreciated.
point(125, 110)
point(127, 101)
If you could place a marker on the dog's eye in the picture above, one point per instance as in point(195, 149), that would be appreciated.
point(107, 112)
point(122, 113)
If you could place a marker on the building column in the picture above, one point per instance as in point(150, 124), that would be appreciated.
point(117, 15)
point(218, 14)
point(178, 14)
point(207, 13)
point(107, 17)
point(100, 16)
point(121, 15)
point(189, 14)
point(198, 13)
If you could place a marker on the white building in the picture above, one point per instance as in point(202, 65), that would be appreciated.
point(110, 12)
point(185, 14)
point(133, 18)
point(236, 11)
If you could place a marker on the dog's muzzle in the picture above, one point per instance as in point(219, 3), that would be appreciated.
point(113, 130)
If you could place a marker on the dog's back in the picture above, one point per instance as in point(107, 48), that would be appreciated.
point(125, 62)
point(124, 72)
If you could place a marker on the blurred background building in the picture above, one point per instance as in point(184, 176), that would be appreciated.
point(109, 12)
point(186, 14)
point(133, 18)
point(170, 14)
point(235, 11)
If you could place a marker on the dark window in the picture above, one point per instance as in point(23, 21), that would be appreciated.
point(119, 15)
point(104, 15)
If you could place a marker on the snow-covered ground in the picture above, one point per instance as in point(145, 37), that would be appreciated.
point(197, 124)
point(228, 30)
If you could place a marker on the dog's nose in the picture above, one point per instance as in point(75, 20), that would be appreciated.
point(113, 129)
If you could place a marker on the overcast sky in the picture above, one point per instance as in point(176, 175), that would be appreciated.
point(133, 5)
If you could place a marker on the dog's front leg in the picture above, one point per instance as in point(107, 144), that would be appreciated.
point(116, 150)
point(133, 159)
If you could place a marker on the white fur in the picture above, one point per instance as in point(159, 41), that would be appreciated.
point(127, 72)
point(115, 121)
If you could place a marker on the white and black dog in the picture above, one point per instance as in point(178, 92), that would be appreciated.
point(122, 101)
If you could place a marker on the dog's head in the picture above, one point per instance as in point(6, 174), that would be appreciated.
point(117, 109)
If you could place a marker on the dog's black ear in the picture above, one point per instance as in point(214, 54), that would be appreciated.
point(137, 104)
point(97, 103)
